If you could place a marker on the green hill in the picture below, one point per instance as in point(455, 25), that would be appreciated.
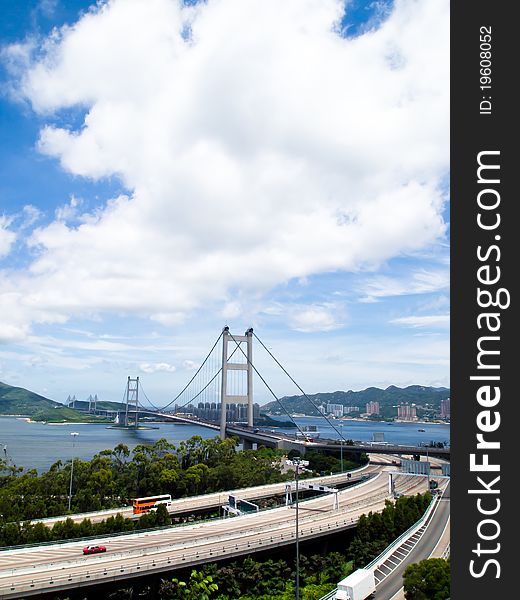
point(22, 402)
point(388, 399)
point(19, 401)
point(101, 405)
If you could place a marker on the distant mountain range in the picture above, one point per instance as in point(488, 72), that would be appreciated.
point(22, 402)
point(387, 398)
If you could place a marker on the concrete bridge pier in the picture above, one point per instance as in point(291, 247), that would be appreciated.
point(247, 444)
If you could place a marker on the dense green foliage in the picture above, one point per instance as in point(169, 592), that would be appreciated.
point(325, 463)
point(249, 579)
point(113, 477)
point(376, 531)
point(16, 533)
point(198, 587)
point(427, 580)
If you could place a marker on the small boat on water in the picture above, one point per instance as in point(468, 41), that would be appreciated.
point(423, 430)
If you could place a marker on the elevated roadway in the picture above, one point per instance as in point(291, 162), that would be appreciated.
point(32, 571)
point(204, 502)
point(287, 441)
point(216, 499)
point(434, 542)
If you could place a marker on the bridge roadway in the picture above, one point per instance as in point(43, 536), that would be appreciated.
point(183, 506)
point(287, 441)
point(431, 544)
point(32, 571)
point(217, 499)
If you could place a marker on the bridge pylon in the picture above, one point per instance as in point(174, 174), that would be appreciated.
point(227, 366)
point(132, 398)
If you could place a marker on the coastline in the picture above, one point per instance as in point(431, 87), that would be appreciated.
point(360, 420)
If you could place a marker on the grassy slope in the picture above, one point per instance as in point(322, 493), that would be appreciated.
point(19, 401)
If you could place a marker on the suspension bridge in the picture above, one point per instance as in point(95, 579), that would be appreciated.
point(219, 396)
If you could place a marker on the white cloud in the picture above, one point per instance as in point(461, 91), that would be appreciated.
point(157, 367)
point(421, 282)
point(7, 237)
point(314, 318)
point(266, 148)
point(30, 215)
point(69, 211)
point(423, 321)
point(189, 365)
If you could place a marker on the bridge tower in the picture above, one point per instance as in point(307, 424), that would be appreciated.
point(132, 398)
point(227, 366)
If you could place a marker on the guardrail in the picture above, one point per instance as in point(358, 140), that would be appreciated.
point(177, 558)
point(117, 534)
point(177, 555)
point(388, 550)
point(408, 533)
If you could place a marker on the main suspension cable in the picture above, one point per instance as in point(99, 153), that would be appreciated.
point(301, 390)
point(267, 386)
point(195, 375)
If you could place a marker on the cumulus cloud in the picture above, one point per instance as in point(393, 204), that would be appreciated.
point(314, 318)
point(309, 318)
point(261, 147)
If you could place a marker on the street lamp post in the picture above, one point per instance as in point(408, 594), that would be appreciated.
point(73, 434)
point(296, 461)
point(428, 468)
point(341, 444)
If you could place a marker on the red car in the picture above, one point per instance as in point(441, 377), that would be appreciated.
point(94, 549)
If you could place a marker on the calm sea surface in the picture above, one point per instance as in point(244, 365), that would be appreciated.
point(37, 445)
point(394, 433)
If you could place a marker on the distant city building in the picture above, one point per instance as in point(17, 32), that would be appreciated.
point(335, 409)
point(350, 409)
point(406, 412)
point(445, 409)
point(210, 411)
point(372, 408)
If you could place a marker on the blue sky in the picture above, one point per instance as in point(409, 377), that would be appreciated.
point(282, 166)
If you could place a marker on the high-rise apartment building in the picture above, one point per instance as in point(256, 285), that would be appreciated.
point(406, 412)
point(445, 408)
point(372, 408)
point(335, 409)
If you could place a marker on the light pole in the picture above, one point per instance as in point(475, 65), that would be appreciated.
point(296, 461)
point(341, 442)
point(428, 467)
point(73, 434)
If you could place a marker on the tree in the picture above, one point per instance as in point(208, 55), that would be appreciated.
point(199, 587)
point(427, 580)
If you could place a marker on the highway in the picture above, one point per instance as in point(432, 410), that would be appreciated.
point(30, 571)
point(431, 543)
point(214, 500)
